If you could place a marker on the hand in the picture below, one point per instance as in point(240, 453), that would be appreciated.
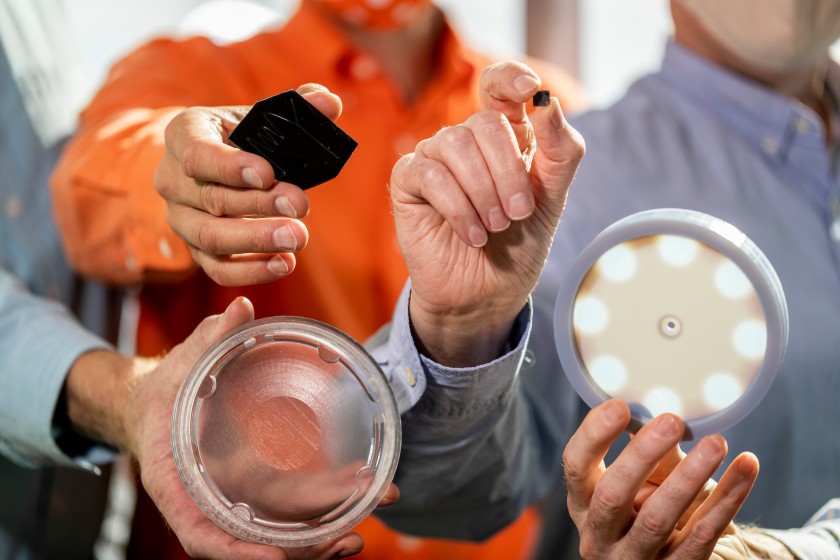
point(148, 416)
point(474, 223)
point(653, 501)
point(242, 226)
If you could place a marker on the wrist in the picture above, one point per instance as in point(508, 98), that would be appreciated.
point(462, 338)
point(99, 396)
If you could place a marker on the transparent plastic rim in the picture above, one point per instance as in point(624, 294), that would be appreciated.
point(721, 236)
point(363, 366)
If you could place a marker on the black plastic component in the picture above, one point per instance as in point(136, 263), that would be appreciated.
point(303, 146)
point(542, 98)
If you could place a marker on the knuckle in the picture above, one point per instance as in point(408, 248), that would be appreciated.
point(703, 533)
point(456, 135)
point(588, 546)
point(654, 523)
point(189, 160)
point(487, 119)
point(606, 499)
point(430, 174)
point(159, 179)
point(205, 238)
point(572, 471)
point(213, 200)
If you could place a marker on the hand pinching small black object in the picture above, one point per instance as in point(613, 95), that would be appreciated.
point(542, 98)
point(303, 146)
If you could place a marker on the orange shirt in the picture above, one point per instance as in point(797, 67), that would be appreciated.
point(351, 273)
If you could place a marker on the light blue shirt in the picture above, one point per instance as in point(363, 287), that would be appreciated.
point(696, 136)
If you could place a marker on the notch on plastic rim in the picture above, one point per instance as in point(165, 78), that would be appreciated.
point(679, 228)
point(333, 348)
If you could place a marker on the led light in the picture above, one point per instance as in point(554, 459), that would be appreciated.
point(731, 282)
point(609, 373)
point(750, 339)
point(619, 264)
point(591, 315)
point(661, 400)
point(721, 390)
point(676, 250)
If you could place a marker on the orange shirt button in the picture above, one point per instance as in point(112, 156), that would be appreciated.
point(364, 67)
point(165, 248)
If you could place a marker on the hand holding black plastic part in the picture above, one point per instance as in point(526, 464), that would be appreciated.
point(242, 226)
point(475, 222)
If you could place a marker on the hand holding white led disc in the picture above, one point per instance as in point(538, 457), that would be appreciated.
point(673, 311)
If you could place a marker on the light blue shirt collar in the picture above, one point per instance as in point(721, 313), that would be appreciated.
point(787, 131)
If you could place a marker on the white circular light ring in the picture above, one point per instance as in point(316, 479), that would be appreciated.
point(332, 346)
point(723, 238)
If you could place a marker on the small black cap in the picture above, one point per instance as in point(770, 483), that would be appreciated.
point(303, 146)
point(542, 98)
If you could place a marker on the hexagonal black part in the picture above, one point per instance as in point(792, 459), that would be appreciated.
point(303, 146)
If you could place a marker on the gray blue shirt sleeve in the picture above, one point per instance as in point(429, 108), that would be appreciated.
point(39, 341)
point(476, 448)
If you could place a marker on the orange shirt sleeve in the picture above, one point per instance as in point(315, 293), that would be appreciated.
point(113, 223)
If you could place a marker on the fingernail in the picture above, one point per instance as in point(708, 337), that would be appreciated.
point(284, 238)
point(250, 176)
point(498, 220)
point(613, 413)
point(556, 114)
point(285, 207)
point(709, 448)
point(477, 235)
point(526, 84)
point(278, 265)
point(520, 206)
point(667, 426)
point(344, 553)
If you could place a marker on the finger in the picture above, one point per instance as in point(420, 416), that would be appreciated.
point(506, 87)
point(230, 236)
point(584, 454)
point(342, 547)
point(323, 99)
point(196, 139)
point(555, 163)
point(281, 199)
point(498, 145)
point(661, 512)
point(612, 501)
point(714, 516)
point(417, 180)
point(457, 149)
point(246, 269)
point(203, 541)
point(239, 312)
point(391, 496)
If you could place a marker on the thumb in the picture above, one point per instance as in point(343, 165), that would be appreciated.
point(322, 99)
point(211, 329)
point(555, 163)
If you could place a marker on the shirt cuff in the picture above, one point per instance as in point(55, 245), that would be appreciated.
point(464, 390)
point(34, 372)
point(820, 541)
